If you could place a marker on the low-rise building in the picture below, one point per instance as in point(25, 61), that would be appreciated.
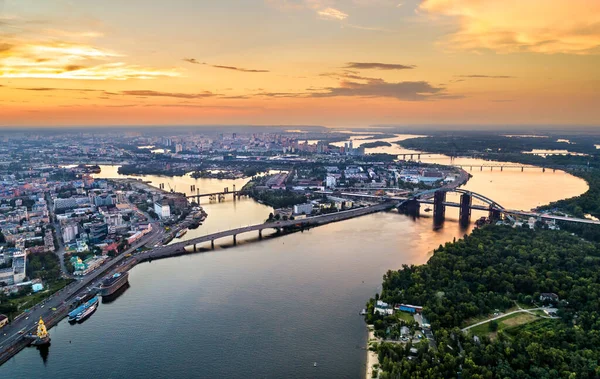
point(303, 209)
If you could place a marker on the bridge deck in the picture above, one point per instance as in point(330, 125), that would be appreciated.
point(164, 251)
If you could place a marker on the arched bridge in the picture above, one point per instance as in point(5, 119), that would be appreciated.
point(437, 197)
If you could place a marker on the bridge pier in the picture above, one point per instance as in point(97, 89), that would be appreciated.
point(439, 209)
point(466, 201)
point(543, 169)
point(501, 168)
point(522, 168)
point(260, 234)
point(234, 239)
point(494, 214)
point(481, 168)
point(195, 248)
point(411, 207)
point(212, 244)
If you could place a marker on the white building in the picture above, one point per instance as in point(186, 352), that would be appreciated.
point(330, 181)
point(162, 209)
point(69, 232)
point(303, 209)
point(19, 263)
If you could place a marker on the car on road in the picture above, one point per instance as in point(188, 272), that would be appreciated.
point(21, 331)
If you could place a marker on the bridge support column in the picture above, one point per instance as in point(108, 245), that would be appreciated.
point(543, 169)
point(234, 239)
point(481, 168)
point(260, 234)
point(522, 168)
point(466, 201)
point(212, 244)
point(195, 248)
point(439, 209)
point(494, 214)
point(501, 168)
point(410, 207)
point(278, 230)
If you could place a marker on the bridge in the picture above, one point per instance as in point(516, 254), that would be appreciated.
point(179, 247)
point(502, 167)
point(437, 198)
point(214, 195)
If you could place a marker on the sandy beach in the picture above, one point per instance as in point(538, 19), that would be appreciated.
point(372, 358)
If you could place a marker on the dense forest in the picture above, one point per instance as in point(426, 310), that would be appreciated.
point(496, 268)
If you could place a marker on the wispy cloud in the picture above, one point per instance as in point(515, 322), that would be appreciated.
point(150, 93)
point(374, 88)
point(233, 68)
point(64, 60)
point(485, 76)
point(45, 89)
point(538, 26)
point(332, 14)
point(378, 66)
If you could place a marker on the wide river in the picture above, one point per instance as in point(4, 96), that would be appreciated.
point(265, 309)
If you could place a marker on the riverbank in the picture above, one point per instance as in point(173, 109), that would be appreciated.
point(372, 357)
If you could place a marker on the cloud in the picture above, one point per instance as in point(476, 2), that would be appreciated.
point(486, 76)
point(44, 89)
point(332, 14)
point(195, 61)
point(150, 93)
point(323, 8)
point(238, 68)
point(56, 54)
point(378, 66)
point(375, 88)
point(536, 26)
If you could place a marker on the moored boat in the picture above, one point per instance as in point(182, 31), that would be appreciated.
point(74, 315)
point(181, 233)
point(111, 284)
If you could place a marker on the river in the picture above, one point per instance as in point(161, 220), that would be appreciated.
point(262, 309)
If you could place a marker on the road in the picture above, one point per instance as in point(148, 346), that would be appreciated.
point(167, 250)
point(530, 311)
point(61, 299)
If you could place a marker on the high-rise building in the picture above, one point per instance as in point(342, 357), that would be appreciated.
point(69, 232)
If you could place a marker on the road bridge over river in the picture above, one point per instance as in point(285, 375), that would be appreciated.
point(179, 247)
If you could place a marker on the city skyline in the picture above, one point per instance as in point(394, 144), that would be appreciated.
point(351, 63)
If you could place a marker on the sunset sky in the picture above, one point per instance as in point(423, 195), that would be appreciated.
point(338, 63)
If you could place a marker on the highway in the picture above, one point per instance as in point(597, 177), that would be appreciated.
point(61, 299)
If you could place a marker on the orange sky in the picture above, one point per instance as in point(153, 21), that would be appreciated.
point(324, 62)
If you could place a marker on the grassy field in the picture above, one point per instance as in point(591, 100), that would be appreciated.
point(511, 321)
point(475, 320)
point(405, 316)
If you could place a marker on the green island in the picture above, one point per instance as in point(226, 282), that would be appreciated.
point(370, 145)
point(497, 270)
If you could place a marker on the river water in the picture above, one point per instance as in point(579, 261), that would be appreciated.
point(262, 309)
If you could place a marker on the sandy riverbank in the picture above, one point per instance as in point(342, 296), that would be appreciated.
point(372, 358)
